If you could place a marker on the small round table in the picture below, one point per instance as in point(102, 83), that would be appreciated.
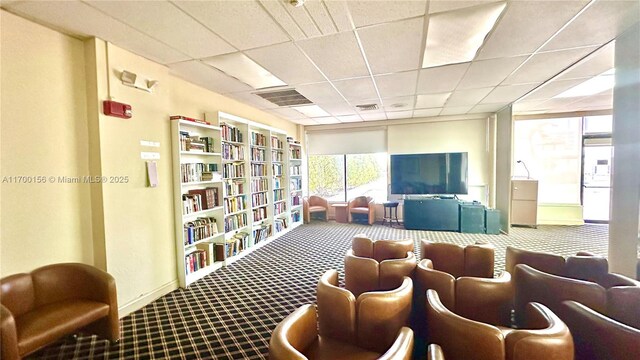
point(392, 206)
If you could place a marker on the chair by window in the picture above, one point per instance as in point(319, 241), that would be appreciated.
point(315, 204)
point(362, 205)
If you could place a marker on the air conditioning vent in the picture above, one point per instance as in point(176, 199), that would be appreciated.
point(286, 97)
point(367, 107)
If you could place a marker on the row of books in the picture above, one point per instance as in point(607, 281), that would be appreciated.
point(192, 172)
point(234, 204)
point(295, 170)
point(294, 153)
point(296, 184)
point(258, 170)
point(280, 207)
point(200, 199)
point(276, 143)
point(234, 222)
point(195, 143)
point(262, 233)
point(277, 169)
point(232, 151)
point(259, 185)
point(201, 228)
point(295, 216)
point(296, 199)
point(277, 183)
point(258, 139)
point(258, 154)
point(234, 246)
point(195, 261)
point(234, 187)
point(230, 133)
point(259, 199)
point(259, 213)
point(278, 195)
point(231, 170)
point(280, 224)
point(276, 155)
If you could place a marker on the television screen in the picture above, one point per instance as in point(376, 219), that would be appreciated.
point(429, 173)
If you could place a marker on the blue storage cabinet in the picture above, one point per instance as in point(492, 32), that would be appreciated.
point(472, 218)
point(432, 214)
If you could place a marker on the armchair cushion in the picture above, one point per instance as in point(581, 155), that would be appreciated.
point(471, 260)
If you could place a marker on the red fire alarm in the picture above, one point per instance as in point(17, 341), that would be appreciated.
point(112, 108)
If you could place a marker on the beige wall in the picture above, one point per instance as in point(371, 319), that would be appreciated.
point(44, 133)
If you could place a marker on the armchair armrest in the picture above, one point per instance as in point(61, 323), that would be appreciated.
point(372, 212)
point(305, 210)
point(429, 278)
point(402, 348)
point(294, 334)
point(8, 335)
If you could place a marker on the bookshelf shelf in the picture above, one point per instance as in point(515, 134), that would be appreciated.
point(248, 156)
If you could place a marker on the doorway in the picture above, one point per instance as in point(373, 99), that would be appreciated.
point(596, 177)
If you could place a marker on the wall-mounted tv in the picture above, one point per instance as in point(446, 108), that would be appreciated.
point(435, 174)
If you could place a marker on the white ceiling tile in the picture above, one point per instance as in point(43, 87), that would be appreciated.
point(80, 19)
point(338, 56)
point(327, 120)
point(486, 73)
point(400, 84)
point(340, 14)
point(436, 6)
point(376, 12)
point(487, 108)
point(167, 23)
point(245, 24)
point(543, 66)
point(553, 88)
point(467, 97)
point(369, 116)
point(595, 102)
point(338, 108)
point(248, 97)
point(526, 105)
point(455, 110)
point(350, 118)
point(431, 100)
point(305, 122)
point(555, 103)
point(595, 64)
point(276, 9)
point(392, 115)
point(597, 25)
point(286, 62)
point(426, 112)
point(320, 16)
point(526, 25)
point(399, 103)
point(289, 113)
point(320, 93)
point(440, 79)
point(207, 77)
point(301, 16)
point(356, 89)
point(508, 93)
point(403, 37)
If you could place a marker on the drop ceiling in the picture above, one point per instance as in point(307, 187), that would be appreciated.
point(340, 54)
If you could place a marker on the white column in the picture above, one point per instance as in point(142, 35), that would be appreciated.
point(625, 179)
point(504, 159)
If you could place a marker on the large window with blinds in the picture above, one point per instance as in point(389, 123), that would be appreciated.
point(348, 164)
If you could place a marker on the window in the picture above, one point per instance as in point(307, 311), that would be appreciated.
point(602, 124)
point(326, 176)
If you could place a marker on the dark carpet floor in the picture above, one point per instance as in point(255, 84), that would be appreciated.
point(230, 314)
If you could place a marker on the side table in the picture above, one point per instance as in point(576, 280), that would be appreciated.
point(341, 212)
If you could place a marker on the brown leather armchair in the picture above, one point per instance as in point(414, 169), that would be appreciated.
point(434, 352)
point(343, 327)
point(543, 336)
point(314, 204)
point(597, 336)
point(362, 205)
point(54, 301)
point(471, 260)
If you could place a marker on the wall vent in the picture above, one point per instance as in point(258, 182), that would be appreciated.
point(367, 107)
point(288, 97)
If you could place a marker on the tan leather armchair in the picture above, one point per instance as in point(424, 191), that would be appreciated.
point(373, 265)
point(543, 335)
point(362, 205)
point(54, 301)
point(434, 352)
point(597, 336)
point(343, 327)
point(314, 204)
point(471, 260)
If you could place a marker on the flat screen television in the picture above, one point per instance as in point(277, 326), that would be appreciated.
point(435, 174)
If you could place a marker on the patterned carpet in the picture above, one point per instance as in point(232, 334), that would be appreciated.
point(230, 314)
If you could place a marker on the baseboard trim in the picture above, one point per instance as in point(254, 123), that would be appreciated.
point(146, 299)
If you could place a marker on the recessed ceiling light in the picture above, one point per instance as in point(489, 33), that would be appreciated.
point(244, 69)
point(455, 36)
point(311, 111)
point(595, 85)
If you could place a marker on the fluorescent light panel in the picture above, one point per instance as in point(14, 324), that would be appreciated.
point(244, 69)
point(455, 36)
point(312, 111)
point(595, 85)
